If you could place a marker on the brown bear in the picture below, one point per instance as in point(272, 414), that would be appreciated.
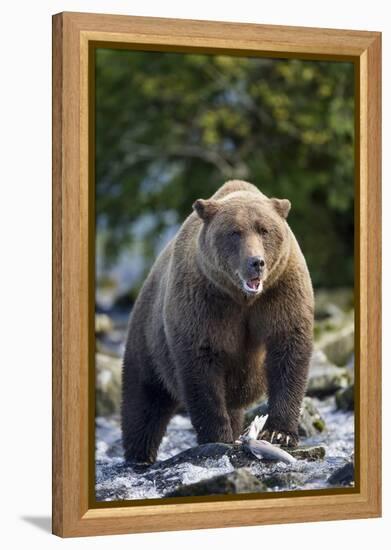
point(225, 314)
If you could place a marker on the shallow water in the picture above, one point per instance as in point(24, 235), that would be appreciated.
point(116, 481)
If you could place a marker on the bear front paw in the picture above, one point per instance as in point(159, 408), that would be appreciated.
point(280, 437)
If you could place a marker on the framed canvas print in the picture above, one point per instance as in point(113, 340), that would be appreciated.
point(216, 274)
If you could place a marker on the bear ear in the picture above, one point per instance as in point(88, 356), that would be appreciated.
point(205, 209)
point(282, 206)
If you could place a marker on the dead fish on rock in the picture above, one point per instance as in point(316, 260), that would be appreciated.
point(264, 449)
point(260, 448)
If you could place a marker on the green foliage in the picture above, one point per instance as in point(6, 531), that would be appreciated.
point(171, 128)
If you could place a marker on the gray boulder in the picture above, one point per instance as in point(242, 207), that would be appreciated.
point(200, 454)
point(103, 323)
point(238, 455)
point(108, 384)
point(284, 480)
point(338, 345)
point(308, 452)
point(311, 422)
point(334, 324)
point(325, 378)
point(333, 303)
point(343, 476)
point(239, 481)
point(344, 399)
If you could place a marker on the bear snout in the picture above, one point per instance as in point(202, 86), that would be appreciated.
point(253, 274)
point(255, 266)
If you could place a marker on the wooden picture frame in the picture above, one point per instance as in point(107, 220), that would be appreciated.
point(74, 36)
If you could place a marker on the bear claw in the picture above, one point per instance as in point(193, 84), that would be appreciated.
point(285, 439)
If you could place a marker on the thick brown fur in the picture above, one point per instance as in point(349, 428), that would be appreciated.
point(197, 338)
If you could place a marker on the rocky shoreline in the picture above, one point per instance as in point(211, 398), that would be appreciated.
point(181, 463)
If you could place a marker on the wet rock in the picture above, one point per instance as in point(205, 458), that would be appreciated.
point(310, 452)
point(103, 323)
point(238, 455)
point(108, 384)
point(325, 378)
point(310, 423)
point(343, 476)
point(344, 399)
point(328, 382)
point(338, 344)
point(329, 312)
point(239, 481)
point(197, 456)
point(333, 303)
point(284, 480)
point(334, 325)
point(319, 361)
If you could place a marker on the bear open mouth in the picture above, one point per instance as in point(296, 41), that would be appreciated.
point(253, 285)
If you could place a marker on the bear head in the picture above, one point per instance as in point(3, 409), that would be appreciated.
point(242, 238)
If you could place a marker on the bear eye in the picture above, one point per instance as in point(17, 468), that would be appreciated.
point(235, 233)
point(263, 230)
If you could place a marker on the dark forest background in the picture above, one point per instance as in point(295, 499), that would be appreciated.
point(171, 128)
